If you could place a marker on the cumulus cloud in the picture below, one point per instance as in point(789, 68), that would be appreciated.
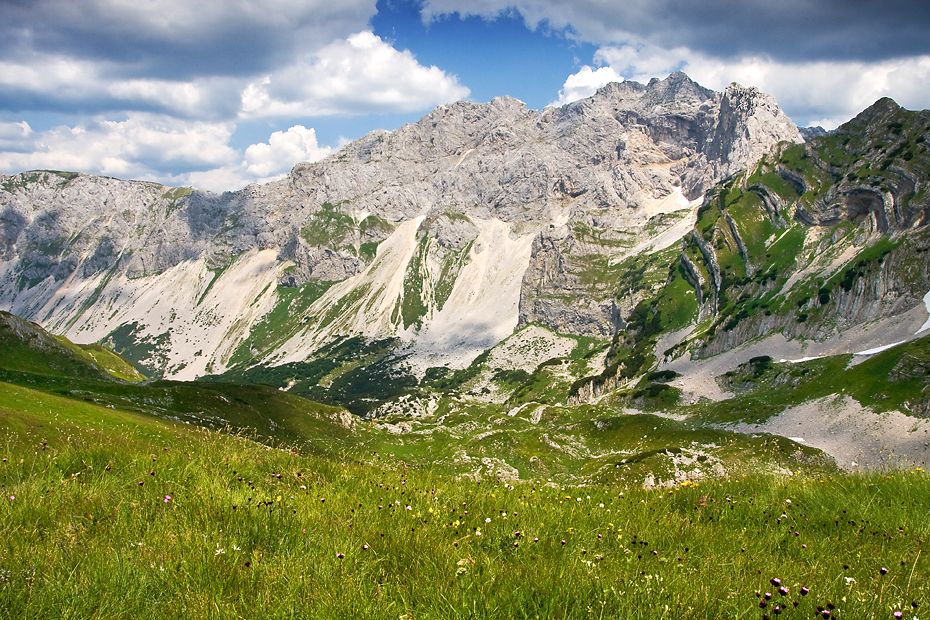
point(585, 83)
point(53, 82)
point(157, 148)
point(359, 74)
point(136, 147)
point(163, 84)
point(282, 151)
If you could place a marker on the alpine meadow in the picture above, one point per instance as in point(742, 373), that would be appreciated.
point(655, 353)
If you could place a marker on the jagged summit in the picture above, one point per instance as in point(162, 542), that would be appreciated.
point(445, 234)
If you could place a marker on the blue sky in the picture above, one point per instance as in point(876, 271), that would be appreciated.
point(221, 94)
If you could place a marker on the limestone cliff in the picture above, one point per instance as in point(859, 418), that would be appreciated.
point(430, 203)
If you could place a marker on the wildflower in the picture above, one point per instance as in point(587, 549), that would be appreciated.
point(340, 555)
point(883, 570)
point(898, 614)
point(477, 532)
point(805, 590)
point(219, 551)
point(783, 591)
point(12, 497)
point(167, 499)
point(488, 520)
point(365, 547)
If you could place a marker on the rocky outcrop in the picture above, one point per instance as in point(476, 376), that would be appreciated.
point(602, 162)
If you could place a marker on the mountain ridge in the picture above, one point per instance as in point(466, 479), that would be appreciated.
point(672, 221)
point(73, 265)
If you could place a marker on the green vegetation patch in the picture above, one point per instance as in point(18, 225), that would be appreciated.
point(328, 227)
point(152, 517)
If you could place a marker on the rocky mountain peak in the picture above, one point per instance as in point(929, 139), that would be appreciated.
point(468, 186)
point(747, 123)
point(679, 89)
point(876, 114)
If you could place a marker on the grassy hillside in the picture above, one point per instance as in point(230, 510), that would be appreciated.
point(113, 514)
point(93, 374)
point(119, 501)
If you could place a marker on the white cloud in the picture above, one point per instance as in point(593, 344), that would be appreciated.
point(149, 147)
point(136, 146)
point(283, 150)
point(361, 74)
point(827, 93)
point(177, 131)
point(585, 83)
point(68, 81)
point(220, 37)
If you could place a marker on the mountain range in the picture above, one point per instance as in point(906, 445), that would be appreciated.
point(657, 248)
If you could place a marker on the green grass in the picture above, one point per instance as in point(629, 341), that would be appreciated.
point(82, 538)
point(116, 365)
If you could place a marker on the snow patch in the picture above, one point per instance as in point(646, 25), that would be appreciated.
point(879, 349)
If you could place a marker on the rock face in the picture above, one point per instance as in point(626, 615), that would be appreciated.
point(564, 185)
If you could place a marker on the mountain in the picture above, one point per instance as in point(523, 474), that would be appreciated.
point(656, 249)
point(424, 233)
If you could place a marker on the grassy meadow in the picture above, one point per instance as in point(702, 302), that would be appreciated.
point(113, 514)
